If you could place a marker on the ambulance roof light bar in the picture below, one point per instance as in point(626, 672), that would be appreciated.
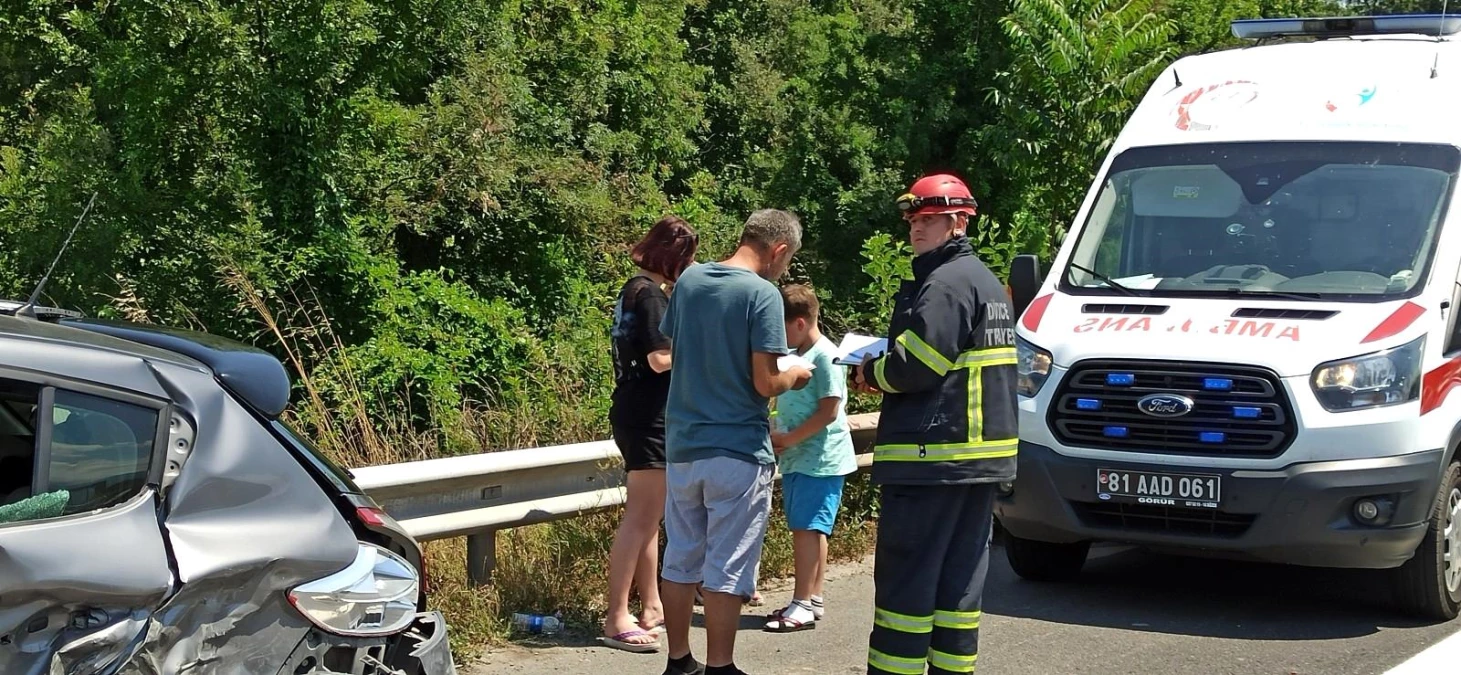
point(1332, 27)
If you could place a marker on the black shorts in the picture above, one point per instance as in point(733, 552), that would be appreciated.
point(642, 448)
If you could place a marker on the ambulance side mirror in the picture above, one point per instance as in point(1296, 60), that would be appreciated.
point(1024, 281)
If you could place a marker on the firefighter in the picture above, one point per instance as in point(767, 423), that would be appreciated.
point(947, 436)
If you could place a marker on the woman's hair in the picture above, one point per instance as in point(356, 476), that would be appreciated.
point(668, 248)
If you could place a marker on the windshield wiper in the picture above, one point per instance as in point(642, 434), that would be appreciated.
point(1243, 293)
point(1101, 277)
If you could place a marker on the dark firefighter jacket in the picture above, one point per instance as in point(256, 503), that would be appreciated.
point(949, 412)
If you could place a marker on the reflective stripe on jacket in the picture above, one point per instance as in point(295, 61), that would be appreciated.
point(949, 412)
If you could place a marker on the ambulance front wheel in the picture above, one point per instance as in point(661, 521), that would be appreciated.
point(1044, 561)
point(1429, 584)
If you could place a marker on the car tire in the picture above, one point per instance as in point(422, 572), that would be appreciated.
point(1427, 585)
point(1044, 561)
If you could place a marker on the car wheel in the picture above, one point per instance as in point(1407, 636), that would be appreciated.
point(1044, 561)
point(1429, 584)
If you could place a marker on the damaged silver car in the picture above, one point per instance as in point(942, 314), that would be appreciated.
point(157, 517)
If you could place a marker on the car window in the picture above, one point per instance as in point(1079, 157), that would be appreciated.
point(100, 453)
point(17, 440)
point(100, 449)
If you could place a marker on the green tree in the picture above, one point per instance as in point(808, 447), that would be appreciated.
point(1382, 7)
point(1077, 72)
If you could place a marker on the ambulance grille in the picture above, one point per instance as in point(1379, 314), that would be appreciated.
point(1236, 411)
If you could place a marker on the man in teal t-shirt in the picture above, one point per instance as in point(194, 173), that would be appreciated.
point(814, 448)
point(726, 332)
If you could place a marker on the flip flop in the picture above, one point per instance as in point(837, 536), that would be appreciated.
point(657, 629)
point(620, 642)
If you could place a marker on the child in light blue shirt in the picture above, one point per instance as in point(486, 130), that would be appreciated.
point(813, 447)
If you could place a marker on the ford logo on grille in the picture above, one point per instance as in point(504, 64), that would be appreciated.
point(1165, 405)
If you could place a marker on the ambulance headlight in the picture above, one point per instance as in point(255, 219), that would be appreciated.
point(1033, 367)
point(1390, 377)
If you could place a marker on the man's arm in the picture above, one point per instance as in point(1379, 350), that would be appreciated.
point(769, 379)
point(922, 355)
point(768, 343)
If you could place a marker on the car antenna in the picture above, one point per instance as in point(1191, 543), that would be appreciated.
point(28, 310)
point(1176, 77)
point(1440, 30)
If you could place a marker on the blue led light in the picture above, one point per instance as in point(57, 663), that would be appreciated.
point(1212, 437)
point(1116, 432)
point(1217, 383)
point(1120, 379)
point(1087, 404)
point(1247, 412)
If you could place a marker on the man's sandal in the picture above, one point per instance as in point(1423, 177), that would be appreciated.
point(621, 641)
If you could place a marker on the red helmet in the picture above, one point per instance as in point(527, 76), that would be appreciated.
point(938, 193)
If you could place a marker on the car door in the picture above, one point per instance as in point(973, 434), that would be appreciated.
point(83, 564)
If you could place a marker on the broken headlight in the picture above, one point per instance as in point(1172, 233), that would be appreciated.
point(375, 595)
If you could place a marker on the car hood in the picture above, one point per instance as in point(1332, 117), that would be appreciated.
point(1288, 337)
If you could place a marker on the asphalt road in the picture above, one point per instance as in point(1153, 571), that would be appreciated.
point(1131, 612)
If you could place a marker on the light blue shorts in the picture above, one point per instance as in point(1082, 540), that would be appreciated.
point(811, 502)
point(716, 511)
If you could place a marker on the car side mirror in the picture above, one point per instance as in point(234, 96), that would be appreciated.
point(1024, 281)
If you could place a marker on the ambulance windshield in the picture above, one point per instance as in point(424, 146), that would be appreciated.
point(1298, 220)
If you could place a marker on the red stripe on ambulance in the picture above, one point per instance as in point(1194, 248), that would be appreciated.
point(1398, 320)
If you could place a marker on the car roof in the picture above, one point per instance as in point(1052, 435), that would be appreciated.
point(30, 329)
point(252, 374)
point(1376, 89)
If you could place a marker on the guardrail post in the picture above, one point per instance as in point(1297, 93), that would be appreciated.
point(481, 557)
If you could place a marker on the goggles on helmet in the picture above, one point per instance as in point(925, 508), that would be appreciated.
point(910, 202)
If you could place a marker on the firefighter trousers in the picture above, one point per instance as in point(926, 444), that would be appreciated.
point(928, 575)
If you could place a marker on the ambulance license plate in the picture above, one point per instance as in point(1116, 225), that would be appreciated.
point(1193, 491)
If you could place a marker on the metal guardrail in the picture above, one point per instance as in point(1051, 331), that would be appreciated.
point(475, 496)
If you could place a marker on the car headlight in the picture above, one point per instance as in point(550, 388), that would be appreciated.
point(1390, 377)
point(375, 595)
point(1033, 367)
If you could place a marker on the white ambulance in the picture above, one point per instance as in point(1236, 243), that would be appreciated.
point(1247, 345)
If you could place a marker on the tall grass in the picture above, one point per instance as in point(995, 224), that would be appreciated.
point(559, 567)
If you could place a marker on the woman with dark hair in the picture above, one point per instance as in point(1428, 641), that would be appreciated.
point(641, 386)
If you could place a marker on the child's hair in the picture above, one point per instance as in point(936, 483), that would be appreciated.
point(799, 302)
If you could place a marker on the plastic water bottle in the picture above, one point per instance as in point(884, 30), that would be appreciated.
point(537, 624)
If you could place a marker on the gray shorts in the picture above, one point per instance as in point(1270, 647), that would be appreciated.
point(716, 511)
